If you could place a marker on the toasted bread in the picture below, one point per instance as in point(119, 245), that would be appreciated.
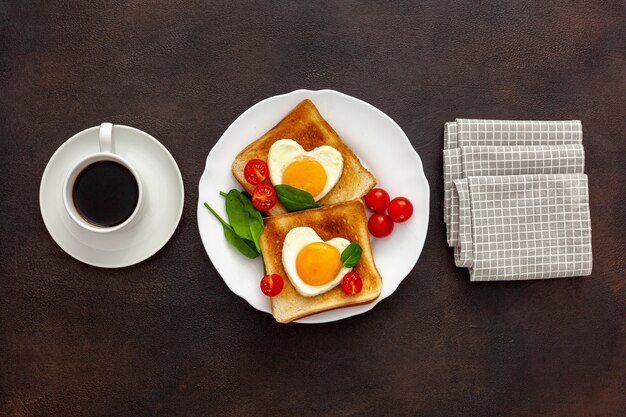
point(345, 220)
point(305, 125)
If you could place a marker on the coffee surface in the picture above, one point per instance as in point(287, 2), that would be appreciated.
point(105, 193)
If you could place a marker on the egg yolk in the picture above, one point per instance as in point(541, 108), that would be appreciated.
point(318, 263)
point(306, 174)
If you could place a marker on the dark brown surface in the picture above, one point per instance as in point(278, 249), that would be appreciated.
point(166, 337)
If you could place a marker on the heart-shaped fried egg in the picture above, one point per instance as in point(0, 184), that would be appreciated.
point(316, 171)
point(312, 265)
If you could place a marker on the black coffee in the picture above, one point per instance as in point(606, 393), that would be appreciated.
point(105, 193)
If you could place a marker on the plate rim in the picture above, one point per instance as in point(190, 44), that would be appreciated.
point(219, 143)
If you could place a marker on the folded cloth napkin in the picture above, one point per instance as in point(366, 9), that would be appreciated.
point(469, 132)
point(520, 227)
point(469, 161)
point(516, 132)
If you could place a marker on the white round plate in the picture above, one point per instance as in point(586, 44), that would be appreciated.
point(161, 211)
point(382, 147)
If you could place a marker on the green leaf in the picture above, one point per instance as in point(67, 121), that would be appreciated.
point(246, 248)
point(251, 245)
point(238, 214)
point(255, 220)
point(351, 255)
point(244, 218)
point(294, 199)
point(256, 228)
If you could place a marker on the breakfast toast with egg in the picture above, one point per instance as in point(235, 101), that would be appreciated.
point(347, 220)
point(306, 126)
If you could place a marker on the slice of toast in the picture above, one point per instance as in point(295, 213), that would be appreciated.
point(305, 125)
point(347, 220)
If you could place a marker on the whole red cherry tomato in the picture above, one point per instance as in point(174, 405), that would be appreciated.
point(272, 285)
point(256, 171)
point(400, 209)
point(380, 225)
point(377, 200)
point(263, 197)
point(351, 283)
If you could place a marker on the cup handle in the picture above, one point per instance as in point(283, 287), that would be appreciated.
point(106, 138)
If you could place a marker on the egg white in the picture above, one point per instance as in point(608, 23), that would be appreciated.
point(295, 240)
point(284, 151)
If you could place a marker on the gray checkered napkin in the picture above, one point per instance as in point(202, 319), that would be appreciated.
point(507, 160)
point(520, 227)
point(470, 132)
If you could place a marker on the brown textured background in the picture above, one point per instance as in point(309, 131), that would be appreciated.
point(166, 337)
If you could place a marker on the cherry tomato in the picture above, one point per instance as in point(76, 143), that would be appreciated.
point(256, 171)
point(400, 209)
point(377, 200)
point(380, 225)
point(272, 285)
point(263, 197)
point(351, 283)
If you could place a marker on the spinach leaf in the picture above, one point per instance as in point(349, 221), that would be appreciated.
point(294, 199)
point(243, 193)
point(238, 215)
point(246, 248)
point(351, 255)
point(255, 220)
point(256, 227)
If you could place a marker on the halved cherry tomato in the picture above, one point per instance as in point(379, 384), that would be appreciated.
point(377, 200)
point(263, 197)
point(400, 209)
point(256, 171)
point(351, 283)
point(380, 225)
point(272, 285)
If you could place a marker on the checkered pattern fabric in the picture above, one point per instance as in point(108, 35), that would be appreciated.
point(451, 170)
point(516, 199)
point(526, 227)
point(517, 132)
point(463, 252)
point(508, 160)
point(471, 132)
point(449, 136)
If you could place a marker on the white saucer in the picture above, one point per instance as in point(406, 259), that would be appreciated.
point(161, 211)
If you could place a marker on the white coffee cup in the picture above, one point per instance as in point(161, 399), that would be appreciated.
point(107, 153)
